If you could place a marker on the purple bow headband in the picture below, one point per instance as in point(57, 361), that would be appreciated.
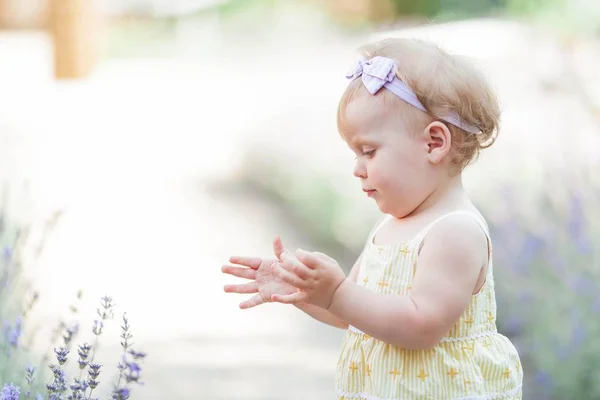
point(379, 72)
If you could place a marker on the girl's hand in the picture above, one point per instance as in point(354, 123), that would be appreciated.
point(265, 283)
point(315, 275)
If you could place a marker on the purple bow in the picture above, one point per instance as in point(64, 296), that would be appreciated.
point(375, 72)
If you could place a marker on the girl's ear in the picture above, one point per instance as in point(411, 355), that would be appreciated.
point(439, 141)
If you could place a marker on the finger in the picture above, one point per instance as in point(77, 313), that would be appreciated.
point(323, 256)
point(246, 273)
point(293, 265)
point(293, 298)
point(290, 278)
point(252, 262)
point(253, 301)
point(278, 247)
point(311, 260)
point(251, 287)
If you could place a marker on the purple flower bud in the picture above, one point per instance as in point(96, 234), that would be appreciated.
point(9, 392)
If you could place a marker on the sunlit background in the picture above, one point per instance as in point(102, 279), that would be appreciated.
point(143, 142)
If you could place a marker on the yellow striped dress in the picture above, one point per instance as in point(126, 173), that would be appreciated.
point(473, 361)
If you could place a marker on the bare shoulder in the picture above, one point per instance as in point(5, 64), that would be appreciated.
point(457, 235)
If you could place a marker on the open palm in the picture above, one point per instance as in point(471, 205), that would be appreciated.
point(264, 281)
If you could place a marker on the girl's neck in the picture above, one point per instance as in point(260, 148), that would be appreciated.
point(446, 197)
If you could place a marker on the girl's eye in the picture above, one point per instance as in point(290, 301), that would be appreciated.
point(369, 153)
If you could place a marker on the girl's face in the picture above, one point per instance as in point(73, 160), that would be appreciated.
point(393, 155)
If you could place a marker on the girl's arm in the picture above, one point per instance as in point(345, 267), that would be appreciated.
point(449, 267)
point(324, 316)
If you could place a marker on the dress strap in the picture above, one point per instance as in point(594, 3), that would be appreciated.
point(378, 225)
point(421, 235)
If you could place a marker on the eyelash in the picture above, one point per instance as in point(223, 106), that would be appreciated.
point(369, 154)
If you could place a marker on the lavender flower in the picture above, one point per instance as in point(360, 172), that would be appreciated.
point(133, 372)
point(80, 388)
point(98, 326)
point(84, 352)
point(121, 394)
point(547, 285)
point(107, 308)
point(69, 334)
point(30, 374)
point(129, 371)
point(94, 373)
point(9, 392)
point(62, 340)
point(125, 334)
point(59, 384)
point(12, 334)
point(61, 355)
point(137, 355)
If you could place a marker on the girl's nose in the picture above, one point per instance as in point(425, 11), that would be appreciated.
point(359, 170)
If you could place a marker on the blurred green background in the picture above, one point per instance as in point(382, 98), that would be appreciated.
point(171, 135)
